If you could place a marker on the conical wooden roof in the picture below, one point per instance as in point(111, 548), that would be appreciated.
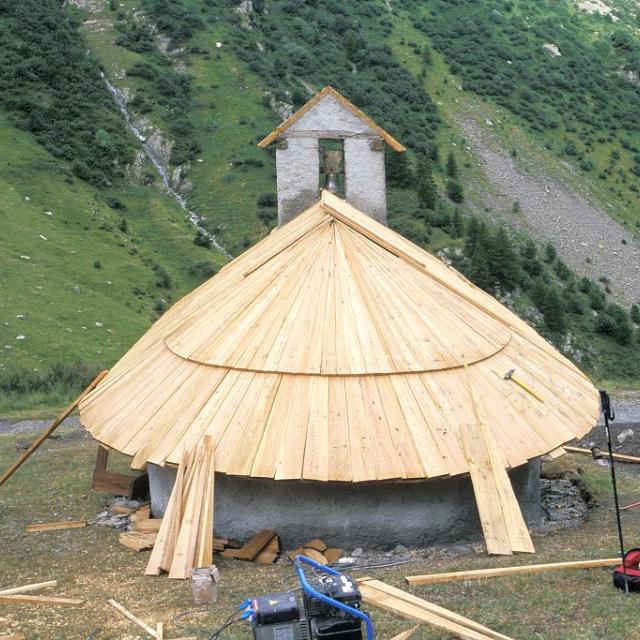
point(335, 349)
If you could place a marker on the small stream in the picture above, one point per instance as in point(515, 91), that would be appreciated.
point(192, 216)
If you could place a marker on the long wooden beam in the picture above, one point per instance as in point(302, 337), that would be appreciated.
point(478, 574)
point(383, 595)
point(48, 601)
point(54, 425)
point(621, 457)
point(28, 587)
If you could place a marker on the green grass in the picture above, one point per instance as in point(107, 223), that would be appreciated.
point(89, 563)
point(229, 117)
point(72, 310)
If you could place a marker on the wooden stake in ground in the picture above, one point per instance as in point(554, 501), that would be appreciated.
point(54, 425)
point(479, 574)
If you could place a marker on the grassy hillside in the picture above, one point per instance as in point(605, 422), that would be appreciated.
point(80, 280)
point(201, 79)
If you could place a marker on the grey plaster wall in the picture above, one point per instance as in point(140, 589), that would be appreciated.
point(298, 164)
point(343, 514)
point(365, 183)
point(298, 175)
point(329, 119)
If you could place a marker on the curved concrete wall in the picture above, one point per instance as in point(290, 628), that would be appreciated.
point(370, 515)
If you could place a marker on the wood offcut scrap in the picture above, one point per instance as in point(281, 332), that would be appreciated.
point(52, 526)
point(185, 538)
point(137, 540)
point(263, 547)
point(379, 594)
point(317, 550)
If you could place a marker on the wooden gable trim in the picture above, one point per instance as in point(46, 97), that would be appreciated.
point(330, 91)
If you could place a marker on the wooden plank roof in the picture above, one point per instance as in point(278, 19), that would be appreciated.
point(335, 349)
point(321, 95)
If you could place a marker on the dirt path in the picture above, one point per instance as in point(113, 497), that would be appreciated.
point(586, 238)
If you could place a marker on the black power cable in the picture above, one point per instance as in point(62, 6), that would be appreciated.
point(236, 616)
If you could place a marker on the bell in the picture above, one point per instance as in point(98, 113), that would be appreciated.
point(331, 183)
point(332, 165)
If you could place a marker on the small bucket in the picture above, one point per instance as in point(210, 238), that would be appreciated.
point(204, 583)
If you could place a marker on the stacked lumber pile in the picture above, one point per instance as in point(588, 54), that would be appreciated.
point(264, 548)
point(143, 529)
point(185, 537)
point(317, 550)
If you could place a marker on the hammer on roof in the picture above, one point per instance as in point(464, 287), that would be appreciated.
point(509, 376)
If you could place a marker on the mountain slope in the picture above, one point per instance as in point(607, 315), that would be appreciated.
point(203, 80)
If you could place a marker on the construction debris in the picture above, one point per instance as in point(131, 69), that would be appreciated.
point(255, 546)
point(317, 550)
point(270, 552)
point(27, 588)
point(52, 526)
point(405, 635)
point(137, 540)
point(129, 616)
point(121, 509)
point(44, 600)
point(148, 526)
point(477, 574)
point(384, 596)
point(185, 538)
point(141, 513)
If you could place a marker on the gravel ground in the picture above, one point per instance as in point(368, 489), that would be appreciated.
point(8, 427)
point(587, 239)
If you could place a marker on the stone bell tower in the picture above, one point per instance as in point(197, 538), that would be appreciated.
point(329, 143)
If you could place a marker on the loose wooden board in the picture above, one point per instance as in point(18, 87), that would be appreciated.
point(28, 588)
point(255, 545)
point(53, 526)
point(48, 601)
point(482, 574)
point(409, 606)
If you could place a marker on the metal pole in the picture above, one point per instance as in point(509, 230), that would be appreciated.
point(610, 415)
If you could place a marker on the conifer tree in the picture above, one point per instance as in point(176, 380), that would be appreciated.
point(427, 192)
point(503, 262)
point(452, 166)
point(455, 191)
point(399, 172)
point(458, 224)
